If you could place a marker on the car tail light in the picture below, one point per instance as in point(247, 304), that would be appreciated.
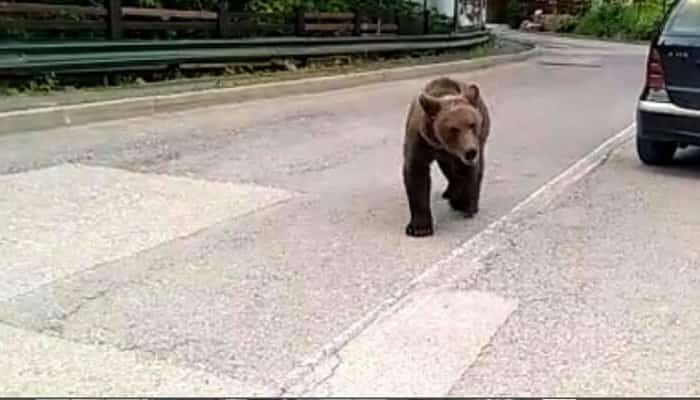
point(655, 71)
point(656, 80)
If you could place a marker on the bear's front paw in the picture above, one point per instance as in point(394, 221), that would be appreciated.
point(471, 210)
point(449, 193)
point(459, 204)
point(419, 229)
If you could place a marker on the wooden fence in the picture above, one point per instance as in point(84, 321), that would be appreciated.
point(571, 7)
point(114, 21)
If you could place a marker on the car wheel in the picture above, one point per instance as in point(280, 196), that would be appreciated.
point(653, 152)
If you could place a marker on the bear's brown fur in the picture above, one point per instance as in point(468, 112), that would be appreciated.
point(448, 123)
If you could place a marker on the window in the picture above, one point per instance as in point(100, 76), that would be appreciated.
point(685, 19)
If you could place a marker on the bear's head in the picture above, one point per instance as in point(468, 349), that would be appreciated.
point(454, 123)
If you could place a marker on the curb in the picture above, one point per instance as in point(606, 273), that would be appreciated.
point(78, 114)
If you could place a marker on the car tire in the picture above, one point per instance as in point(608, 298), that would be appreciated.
point(652, 152)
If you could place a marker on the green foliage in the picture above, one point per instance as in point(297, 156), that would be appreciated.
point(39, 84)
point(175, 4)
point(563, 24)
point(618, 20)
point(648, 21)
point(604, 20)
point(288, 6)
point(7, 31)
point(440, 23)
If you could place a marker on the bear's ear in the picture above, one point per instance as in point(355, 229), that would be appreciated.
point(430, 104)
point(472, 93)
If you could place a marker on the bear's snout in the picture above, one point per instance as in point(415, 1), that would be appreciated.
point(470, 156)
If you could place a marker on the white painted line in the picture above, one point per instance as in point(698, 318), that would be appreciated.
point(474, 249)
point(419, 350)
point(65, 219)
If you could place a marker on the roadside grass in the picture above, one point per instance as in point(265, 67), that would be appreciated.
point(619, 21)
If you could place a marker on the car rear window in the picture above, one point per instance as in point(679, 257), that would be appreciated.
point(685, 19)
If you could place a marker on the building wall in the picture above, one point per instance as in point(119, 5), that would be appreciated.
point(467, 10)
point(445, 7)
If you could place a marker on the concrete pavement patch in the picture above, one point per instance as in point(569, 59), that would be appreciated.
point(52, 117)
point(580, 43)
point(420, 349)
point(49, 366)
point(572, 61)
point(64, 219)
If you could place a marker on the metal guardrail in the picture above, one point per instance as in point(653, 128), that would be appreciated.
point(22, 59)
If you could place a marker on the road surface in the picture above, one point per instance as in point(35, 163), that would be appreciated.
point(258, 248)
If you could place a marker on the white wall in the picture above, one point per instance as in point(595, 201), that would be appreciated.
point(446, 7)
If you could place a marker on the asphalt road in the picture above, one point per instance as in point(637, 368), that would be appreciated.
point(217, 251)
point(608, 290)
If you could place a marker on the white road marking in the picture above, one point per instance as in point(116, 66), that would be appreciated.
point(424, 346)
point(38, 365)
point(65, 219)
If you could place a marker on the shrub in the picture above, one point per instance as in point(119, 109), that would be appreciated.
point(648, 21)
point(615, 19)
point(440, 23)
point(560, 23)
point(603, 20)
point(288, 6)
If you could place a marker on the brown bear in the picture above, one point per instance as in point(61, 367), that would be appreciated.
point(448, 123)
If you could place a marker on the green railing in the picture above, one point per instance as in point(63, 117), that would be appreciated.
point(70, 57)
point(37, 38)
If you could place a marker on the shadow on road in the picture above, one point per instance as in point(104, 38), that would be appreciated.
point(685, 165)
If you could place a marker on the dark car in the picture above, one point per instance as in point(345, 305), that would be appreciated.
point(668, 114)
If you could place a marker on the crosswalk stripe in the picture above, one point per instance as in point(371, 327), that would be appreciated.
point(420, 348)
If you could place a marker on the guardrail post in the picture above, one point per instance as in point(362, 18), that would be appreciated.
point(390, 16)
point(455, 16)
point(300, 21)
point(357, 22)
point(115, 30)
point(223, 19)
point(426, 22)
